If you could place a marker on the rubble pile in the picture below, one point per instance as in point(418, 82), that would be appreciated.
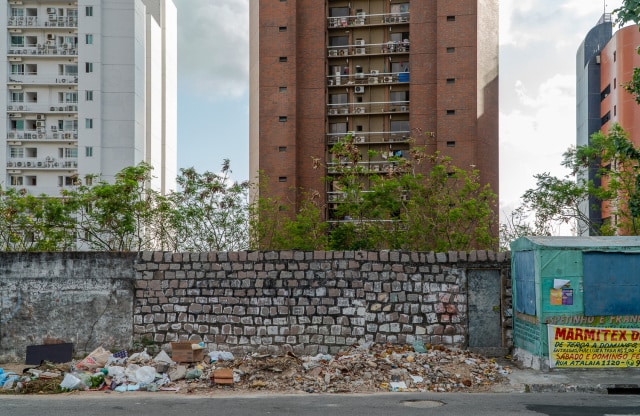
point(363, 368)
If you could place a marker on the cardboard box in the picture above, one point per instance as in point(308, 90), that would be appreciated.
point(222, 376)
point(183, 352)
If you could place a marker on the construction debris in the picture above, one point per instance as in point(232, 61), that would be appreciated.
point(363, 368)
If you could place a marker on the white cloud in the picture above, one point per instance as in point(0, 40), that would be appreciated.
point(213, 47)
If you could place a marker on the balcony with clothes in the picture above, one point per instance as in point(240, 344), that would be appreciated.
point(396, 47)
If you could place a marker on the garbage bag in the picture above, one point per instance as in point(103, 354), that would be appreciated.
point(71, 382)
point(145, 375)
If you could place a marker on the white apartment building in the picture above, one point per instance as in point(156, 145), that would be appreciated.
point(90, 88)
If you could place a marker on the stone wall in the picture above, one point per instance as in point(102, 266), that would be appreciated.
point(309, 302)
point(84, 298)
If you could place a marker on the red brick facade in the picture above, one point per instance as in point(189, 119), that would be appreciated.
point(452, 62)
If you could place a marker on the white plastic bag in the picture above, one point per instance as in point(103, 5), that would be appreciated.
point(71, 382)
point(145, 375)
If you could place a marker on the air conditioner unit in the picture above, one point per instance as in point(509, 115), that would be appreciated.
point(51, 10)
point(54, 128)
point(40, 117)
point(19, 164)
point(9, 164)
point(15, 115)
point(404, 108)
point(39, 164)
point(344, 110)
point(403, 19)
point(40, 135)
point(67, 135)
point(60, 108)
point(375, 72)
point(359, 42)
point(28, 164)
point(373, 80)
point(359, 110)
point(387, 79)
point(20, 107)
point(52, 109)
point(359, 89)
point(56, 136)
point(39, 123)
point(333, 111)
point(361, 51)
point(9, 107)
point(12, 135)
point(360, 139)
point(51, 36)
point(333, 52)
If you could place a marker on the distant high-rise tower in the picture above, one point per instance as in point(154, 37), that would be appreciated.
point(605, 62)
point(380, 69)
point(90, 89)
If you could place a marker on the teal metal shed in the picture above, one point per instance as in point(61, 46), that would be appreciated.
point(573, 281)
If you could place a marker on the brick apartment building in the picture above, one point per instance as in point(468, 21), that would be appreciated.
point(605, 61)
point(384, 70)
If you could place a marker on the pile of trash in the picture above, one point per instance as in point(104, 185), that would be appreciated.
point(362, 368)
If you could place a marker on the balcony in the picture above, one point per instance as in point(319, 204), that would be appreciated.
point(370, 49)
point(371, 137)
point(372, 167)
point(35, 79)
point(43, 50)
point(363, 19)
point(42, 135)
point(42, 108)
point(372, 78)
point(36, 22)
point(383, 107)
point(47, 163)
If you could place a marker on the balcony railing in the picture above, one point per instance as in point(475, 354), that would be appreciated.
point(35, 21)
point(366, 167)
point(43, 135)
point(44, 50)
point(42, 108)
point(371, 78)
point(35, 79)
point(371, 137)
point(395, 47)
point(363, 19)
point(42, 163)
point(368, 108)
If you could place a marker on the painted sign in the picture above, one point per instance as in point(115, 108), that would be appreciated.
point(590, 347)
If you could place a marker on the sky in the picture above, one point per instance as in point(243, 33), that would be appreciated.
point(538, 44)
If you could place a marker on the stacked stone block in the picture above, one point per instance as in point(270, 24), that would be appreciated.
point(308, 302)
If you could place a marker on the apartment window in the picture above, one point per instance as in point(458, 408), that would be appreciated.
point(451, 80)
point(282, 29)
point(338, 128)
point(605, 118)
point(282, 119)
point(31, 180)
point(615, 83)
point(451, 112)
point(615, 110)
point(339, 11)
point(88, 95)
point(69, 70)
point(339, 41)
point(16, 180)
point(17, 69)
point(451, 18)
point(88, 180)
point(67, 180)
point(17, 41)
point(16, 152)
point(451, 49)
point(15, 12)
point(17, 97)
point(88, 38)
point(17, 124)
point(282, 149)
point(88, 11)
point(282, 179)
point(451, 143)
point(68, 152)
point(283, 59)
point(88, 67)
point(88, 123)
point(399, 125)
point(399, 96)
point(283, 89)
point(400, 8)
point(88, 151)
point(67, 125)
point(605, 92)
point(614, 56)
point(71, 97)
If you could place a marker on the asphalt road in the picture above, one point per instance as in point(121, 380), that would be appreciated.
point(405, 404)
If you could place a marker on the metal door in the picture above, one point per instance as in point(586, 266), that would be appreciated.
point(485, 323)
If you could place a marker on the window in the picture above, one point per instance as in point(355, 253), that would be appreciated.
point(31, 180)
point(282, 119)
point(71, 97)
point(338, 128)
point(400, 8)
point(16, 152)
point(88, 180)
point(338, 12)
point(451, 112)
point(88, 67)
point(88, 123)
point(17, 97)
point(67, 125)
point(615, 110)
point(88, 38)
point(399, 96)
point(283, 59)
point(451, 143)
point(605, 118)
point(399, 67)
point(17, 41)
point(451, 18)
point(614, 56)
point(282, 29)
point(283, 89)
point(16, 180)
point(399, 125)
point(15, 12)
point(88, 11)
point(282, 179)
point(338, 40)
point(69, 70)
point(88, 151)
point(67, 180)
point(68, 152)
point(17, 69)
point(338, 98)
point(17, 124)
point(451, 49)
point(605, 92)
point(615, 83)
point(88, 95)
point(451, 80)
point(282, 149)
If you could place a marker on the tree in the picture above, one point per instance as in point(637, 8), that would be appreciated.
point(34, 223)
point(117, 216)
point(445, 209)
point(209, 212)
